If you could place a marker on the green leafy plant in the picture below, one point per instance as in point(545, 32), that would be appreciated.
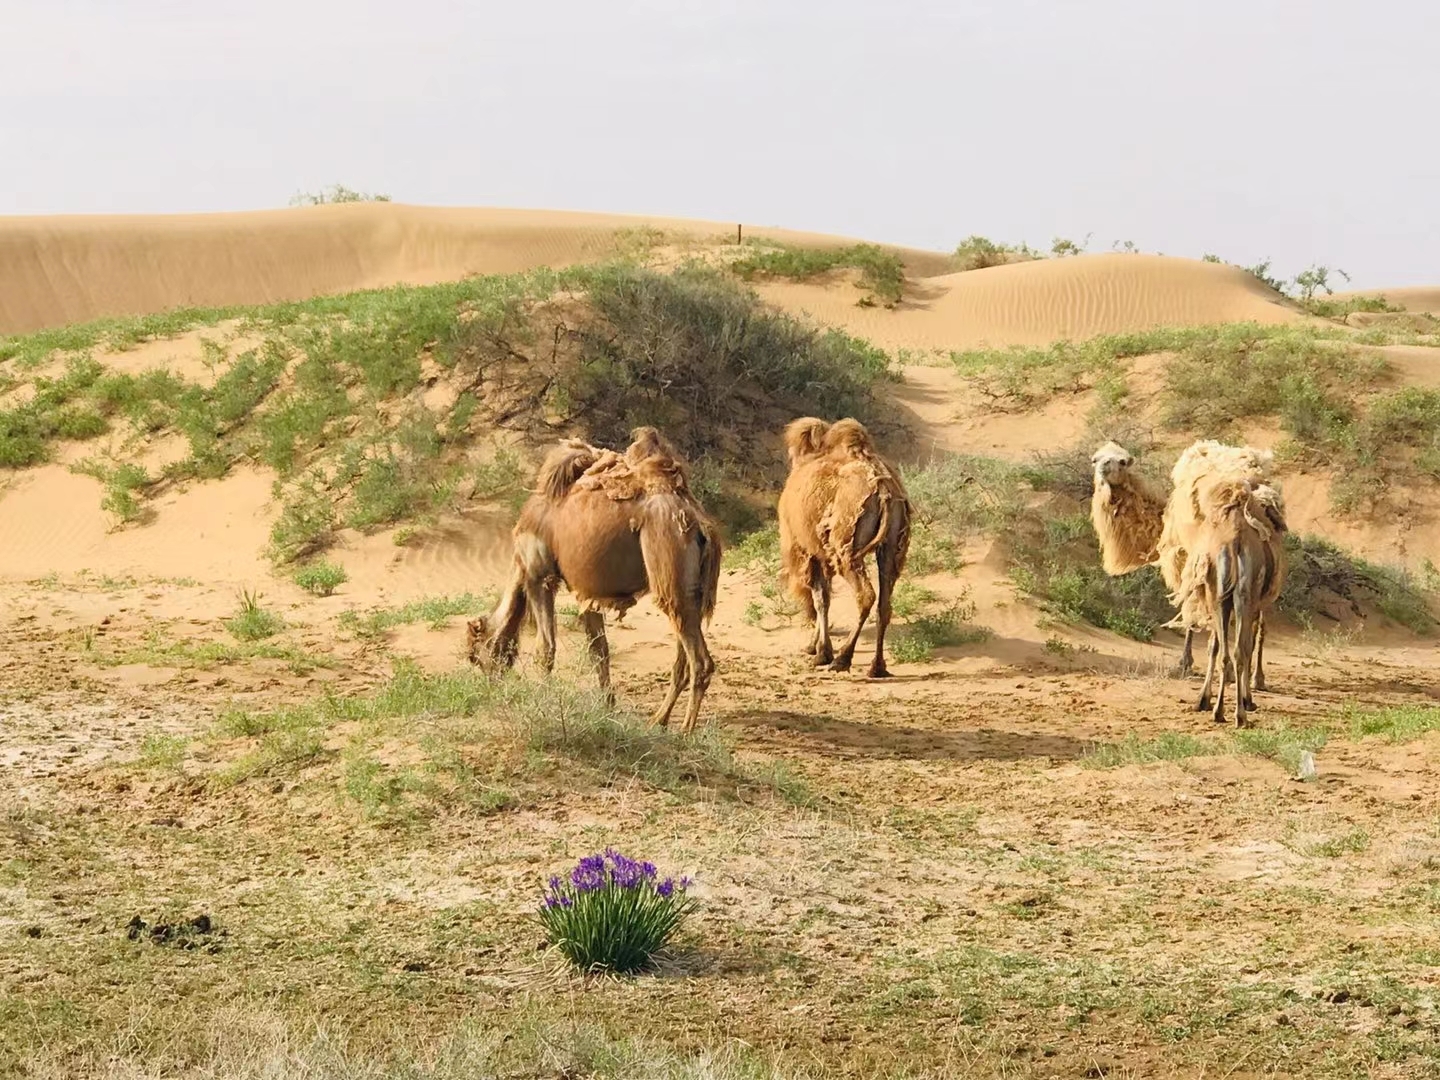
point(321, 577)
point(252, 622)
point(613, 913)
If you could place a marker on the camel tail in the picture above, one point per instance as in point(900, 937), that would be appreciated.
point(680, 579)
point(711, 550)
point(895, 532)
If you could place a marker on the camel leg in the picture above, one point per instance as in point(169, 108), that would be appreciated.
point(679, 677)
point(809, 611)
point(820, 598)
point(1259, 656)
point(1203, 705)
point(1187, 654)
point(593, 623)
point(1222, 645)
point(1244, 653)
point(702, 665)
point(542, 602)
point(885, 573)
point(859, 581)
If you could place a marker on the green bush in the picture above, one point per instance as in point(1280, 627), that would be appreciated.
point(321, 577)
point(251, 622)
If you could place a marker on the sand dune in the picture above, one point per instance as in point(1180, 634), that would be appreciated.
point(1037, 302)
point(59, 270)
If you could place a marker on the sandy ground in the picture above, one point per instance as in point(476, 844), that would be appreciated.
point(960, 812)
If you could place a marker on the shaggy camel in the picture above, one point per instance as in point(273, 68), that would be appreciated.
point(613, 528)
point(1139, 525)
point(841, 502)
point(1234, 574)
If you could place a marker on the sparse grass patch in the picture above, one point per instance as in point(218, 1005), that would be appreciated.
point(539, 728)
point(433, 610)
point(251, 622)
point(321, 577)
point(1398, 723)
point(1282, 745)
point(162, 752)
point(930, 627)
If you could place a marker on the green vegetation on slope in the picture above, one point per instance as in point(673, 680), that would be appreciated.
point(882, 273)
point(333, 398)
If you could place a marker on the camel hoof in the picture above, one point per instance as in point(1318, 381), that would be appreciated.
point(841, 664)
point(810, 649)
point(823, 659)
point(878, 671)
point(1203, 705)
point(1250, 706)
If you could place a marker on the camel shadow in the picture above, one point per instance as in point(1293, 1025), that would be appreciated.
point(853, 738)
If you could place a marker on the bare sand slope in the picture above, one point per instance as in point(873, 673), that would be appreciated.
point(60, 270)
point(1038, 302)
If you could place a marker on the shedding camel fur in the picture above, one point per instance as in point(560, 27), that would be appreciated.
point(1234, 573)
point(1138, 525)
point(841, 503)
point(613, 528)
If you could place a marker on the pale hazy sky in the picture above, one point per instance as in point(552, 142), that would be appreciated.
point(1305, 132)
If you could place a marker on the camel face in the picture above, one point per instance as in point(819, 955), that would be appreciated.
point(1110, 463)
point(478, 636)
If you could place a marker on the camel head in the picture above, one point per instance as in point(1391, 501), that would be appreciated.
point(486, 650)
point(647, 442)
point(1111, 463)
point(478, 636)
point(804, 437)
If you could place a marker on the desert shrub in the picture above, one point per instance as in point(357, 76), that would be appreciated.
point(335, 193)
point(1055, 560)
point(882, 273)
point(612, 913)
point(251, 622)
point(321, 577)
point(306, 523)
point(121, 480)
point(1321, 577)
point(978, 252)
point(694, 353)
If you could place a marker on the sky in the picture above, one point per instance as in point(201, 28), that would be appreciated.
point(1251, 129)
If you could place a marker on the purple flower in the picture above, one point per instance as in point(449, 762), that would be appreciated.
point(685, 883)
point(665, 888)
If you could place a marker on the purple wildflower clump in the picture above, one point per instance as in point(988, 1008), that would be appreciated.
point(613, 913)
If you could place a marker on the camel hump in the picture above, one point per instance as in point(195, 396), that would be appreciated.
point(650, 466)
point(563, 467)
point(849, 437)
point(805, 437)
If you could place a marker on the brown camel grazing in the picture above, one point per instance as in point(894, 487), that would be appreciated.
point(613, 528)
point(841, 502)
point(1138, 525)
point(1234, 573)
